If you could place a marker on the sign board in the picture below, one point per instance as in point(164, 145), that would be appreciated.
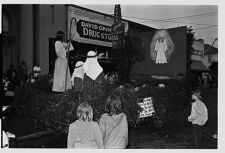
point(117, 35)
point(91, 30)
point(117, 29)
point(165, 53)
point(89, 27)
point(147, 106)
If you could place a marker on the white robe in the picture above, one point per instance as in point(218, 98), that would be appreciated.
point(62, 76)
point(91, 66)
point(161, 48)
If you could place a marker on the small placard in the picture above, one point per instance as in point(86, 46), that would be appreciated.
point(148, 109)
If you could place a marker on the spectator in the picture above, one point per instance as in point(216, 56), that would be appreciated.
point(22, 72)
point(198, 117)
point(37, 71)
point(12, 74)
point(84, 133)
point(31, 79)
point(5, 82)
point(113, 124)
point(205, 80)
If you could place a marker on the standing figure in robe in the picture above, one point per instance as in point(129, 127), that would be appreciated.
point(78, 75)
point(93, 73)
point(161, 47)
point(61, 81)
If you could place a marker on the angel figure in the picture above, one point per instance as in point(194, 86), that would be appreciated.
point(162, 47)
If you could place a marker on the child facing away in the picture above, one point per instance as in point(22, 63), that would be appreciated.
point(198, 117)
point(113, 124)
point(84, 133)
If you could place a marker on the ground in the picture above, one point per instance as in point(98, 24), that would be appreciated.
point(172, 136)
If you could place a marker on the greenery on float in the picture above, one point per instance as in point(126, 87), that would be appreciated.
point(57, 111)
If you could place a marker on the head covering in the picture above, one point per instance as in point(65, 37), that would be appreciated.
point(91, 65)
point(197, 93)
point(78, 70)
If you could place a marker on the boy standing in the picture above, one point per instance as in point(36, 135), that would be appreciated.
point(198, 117)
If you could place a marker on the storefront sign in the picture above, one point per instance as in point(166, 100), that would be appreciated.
point(91, 30)
point(90, 27)
point(147, 106)
point(86, 26)
point(117, 35)
point(117, 29)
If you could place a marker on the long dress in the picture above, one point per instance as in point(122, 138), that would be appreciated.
point(161, 48)
point(62, 77)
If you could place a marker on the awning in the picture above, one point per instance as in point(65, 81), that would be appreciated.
point(198, 65)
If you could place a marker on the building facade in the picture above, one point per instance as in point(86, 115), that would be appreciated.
point(29, 32)
point(211, 55)
point(197, 56)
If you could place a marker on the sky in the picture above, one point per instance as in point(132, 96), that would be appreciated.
point(153, 13)
point(202, 18)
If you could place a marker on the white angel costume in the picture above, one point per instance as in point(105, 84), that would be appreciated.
point(160, 48)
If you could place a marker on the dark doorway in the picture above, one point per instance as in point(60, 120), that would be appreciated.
point(52, 55)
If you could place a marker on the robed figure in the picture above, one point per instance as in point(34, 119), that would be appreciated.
point(93, 73)
point(78, 75)
point(62, 77)
point(161, 47)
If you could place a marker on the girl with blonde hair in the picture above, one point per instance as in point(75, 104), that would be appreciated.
point(84, 133)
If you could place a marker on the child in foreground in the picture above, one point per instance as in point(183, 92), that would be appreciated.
point(84, 133)
point(113, 125)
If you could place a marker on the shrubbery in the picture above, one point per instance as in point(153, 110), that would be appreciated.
point(59, 110)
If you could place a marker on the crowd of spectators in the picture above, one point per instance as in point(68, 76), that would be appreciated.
point(13, 78)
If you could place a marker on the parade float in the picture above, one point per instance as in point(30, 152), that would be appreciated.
point(157, 99)
point(156, 90)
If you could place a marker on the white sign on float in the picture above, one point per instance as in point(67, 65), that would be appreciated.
point(147, 106)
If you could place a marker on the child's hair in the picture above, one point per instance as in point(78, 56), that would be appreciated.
point(113, 105)
point(84, 112)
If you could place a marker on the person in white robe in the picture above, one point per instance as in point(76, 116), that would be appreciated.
point(93, 73)
point(78, 75)
point(62, 77)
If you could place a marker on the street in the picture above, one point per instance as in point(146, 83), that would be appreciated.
point(172, 136)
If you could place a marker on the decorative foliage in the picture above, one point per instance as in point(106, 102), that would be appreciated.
point(59, 110)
